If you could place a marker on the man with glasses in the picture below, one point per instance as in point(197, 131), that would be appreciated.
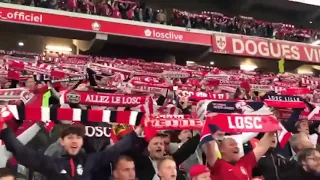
point(308, 167)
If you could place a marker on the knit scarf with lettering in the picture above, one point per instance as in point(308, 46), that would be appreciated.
point(103, 99)
point(44, 69)
point(16, 94)
point(279, 101)
point(235, 123)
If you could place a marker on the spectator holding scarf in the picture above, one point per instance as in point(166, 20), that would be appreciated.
point(308, 167)
point(231, 166)
point(73, 164)
point(146, 165)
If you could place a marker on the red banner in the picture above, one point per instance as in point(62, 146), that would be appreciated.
point(244, 123)
point(103, 99)
point(285, 114)
point(84, 22)
point(175, 124)
point(265, 48)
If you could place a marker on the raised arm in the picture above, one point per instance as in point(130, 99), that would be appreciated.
point(290, 123)
point(186, 150)
point(113, 152)
point(209, 149)
point(263, 145)
point(30, 158)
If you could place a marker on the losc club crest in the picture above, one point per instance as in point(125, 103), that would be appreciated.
point(221, 42)
point(95, 26)
point(73, 97)
point(243, 170)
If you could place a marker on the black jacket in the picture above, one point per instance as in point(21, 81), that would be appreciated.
point(144, 167)
point(272, 165)
point(79, 167)
point(298, 173)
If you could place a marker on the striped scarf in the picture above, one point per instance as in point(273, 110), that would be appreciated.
point(50, 116)
point(151, 109)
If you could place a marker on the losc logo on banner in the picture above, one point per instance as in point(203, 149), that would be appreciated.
point(244, 122)
point(73, 97)
point(97, 131)
point(266, 48)
point(221, 42)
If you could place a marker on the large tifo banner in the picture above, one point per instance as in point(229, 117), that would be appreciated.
point(265, 48)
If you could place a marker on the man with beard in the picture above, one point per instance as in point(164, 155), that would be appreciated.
point(308, 168)
point(146, 166)
point(167, 169)
point(298, 142)
point(231, 166)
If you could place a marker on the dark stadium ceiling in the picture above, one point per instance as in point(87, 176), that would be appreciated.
point(267, 10)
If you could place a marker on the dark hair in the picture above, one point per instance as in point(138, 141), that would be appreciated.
point(302, 156)
point(122, 158)
point(238, 92)
point(78, 130)
point(5, 172)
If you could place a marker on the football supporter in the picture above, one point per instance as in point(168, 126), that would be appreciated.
point(305, 127)
point(299, 142)
point(195, 158)
point(272, 164)
point(146, 166)
point(73, 165)
point(124, 169)
point(199, 172)
point(167, 169)
point(231, 166)
point(308, 167)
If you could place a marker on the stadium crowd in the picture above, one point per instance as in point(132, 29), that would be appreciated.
point(205, 20)
point(127, 119)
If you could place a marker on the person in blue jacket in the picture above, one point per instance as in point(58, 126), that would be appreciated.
point(74, 164)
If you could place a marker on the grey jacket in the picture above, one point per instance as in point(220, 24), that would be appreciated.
point(54, 150)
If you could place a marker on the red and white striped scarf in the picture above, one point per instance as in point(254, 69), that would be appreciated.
point(151, 109)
